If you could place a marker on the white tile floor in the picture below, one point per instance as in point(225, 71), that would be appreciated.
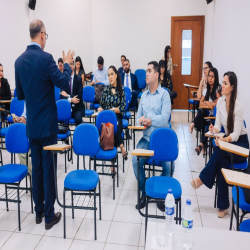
point(121, 226)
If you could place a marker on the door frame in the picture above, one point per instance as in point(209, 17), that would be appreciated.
point(190, 18)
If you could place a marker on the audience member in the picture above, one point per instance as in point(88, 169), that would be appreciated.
point(154, 112)
point(79, 70)
point(5, 93)
point(130, 80)
point(230, 116)
point(101, 73)
point(166, 81)
point(23, 157)
point(35, 83)
point(74, 95)
point(121, 69)
point(168, 59)
point(209, 98)
point(204, 80)
point(113, 98)
point(60, 64)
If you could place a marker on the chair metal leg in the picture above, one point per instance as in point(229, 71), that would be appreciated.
point(95, 213)
point(65, 162)
point(31, 194)
point(216, 189)
point(64, 215)
point(26, 182)
point(146, 218)
point(180, 212)
point(177, 218)
point(84, 162)
point(100, 204)
point(18, 206)
point(113, 187)
point(117, 174)
point(232, 214)
point(72, 203)
point(6, 196)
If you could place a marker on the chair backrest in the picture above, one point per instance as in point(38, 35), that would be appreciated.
point(105, 117)
point(141, 78)
point(16, 106)
point(166, 89)
point(16, 140)
point(86, 140)
point(63, 110)
point(57, 93)
point(88, 94)
point(14, 92)
point(164, 142)
point(101, 83)
point(128, 96)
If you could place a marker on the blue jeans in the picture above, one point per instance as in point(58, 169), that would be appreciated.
point(166, 166)
point(221, 159)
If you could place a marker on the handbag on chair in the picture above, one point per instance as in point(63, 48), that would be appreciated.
point(246, 190)
point(107, 136)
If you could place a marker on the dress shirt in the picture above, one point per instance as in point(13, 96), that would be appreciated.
point(37, 44)
point(221, 118)
point(129, 80)
point(156, 106)
point(101, 75)
point(72, 82)
point(24, 111)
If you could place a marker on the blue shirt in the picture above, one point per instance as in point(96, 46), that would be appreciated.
point(156, 106)
point(101, 75)
point(24, 111)
point(37, 44)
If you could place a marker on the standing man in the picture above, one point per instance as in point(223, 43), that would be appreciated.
point(74, 95)
point(130, 80)
point(101, 73)
point(154, 111)
point(121, 69)
point(36, 73)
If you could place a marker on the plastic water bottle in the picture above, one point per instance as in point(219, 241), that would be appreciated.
point(187, 225)
point(169, 212)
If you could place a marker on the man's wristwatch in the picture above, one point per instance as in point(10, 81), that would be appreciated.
point(113, 109)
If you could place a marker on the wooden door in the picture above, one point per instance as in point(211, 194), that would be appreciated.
point(187, 41)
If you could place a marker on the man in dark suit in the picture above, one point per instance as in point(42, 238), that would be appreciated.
point(74, 95)
point(36, 73)
point(121, 70)
point(130, 80)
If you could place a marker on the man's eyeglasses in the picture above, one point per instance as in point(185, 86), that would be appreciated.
point(46, 35)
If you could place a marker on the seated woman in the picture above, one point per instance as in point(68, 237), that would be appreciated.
point(230, 116)
point(5, 93)
point(209, 98)
point(79, 70)
point(113, 98)
point(204, 80)
point(166, 81)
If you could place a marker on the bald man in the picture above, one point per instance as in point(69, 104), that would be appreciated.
point(36, 74)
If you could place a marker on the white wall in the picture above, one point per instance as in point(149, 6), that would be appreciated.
point(138, 29)
point(228, 44)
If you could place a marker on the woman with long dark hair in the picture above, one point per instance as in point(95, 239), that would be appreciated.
point(5, 93)
point(113, 98)
point(209, 98)
point(229, 115)
point(79, 70)
point(168, 59)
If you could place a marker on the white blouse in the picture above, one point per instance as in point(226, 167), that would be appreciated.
point(221, 118)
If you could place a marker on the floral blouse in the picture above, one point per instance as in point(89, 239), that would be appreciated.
point(110, 100)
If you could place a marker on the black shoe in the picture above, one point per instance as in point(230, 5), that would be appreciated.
point(39, 219)
point(56, 219)
point(161, 206)
point(142, 203)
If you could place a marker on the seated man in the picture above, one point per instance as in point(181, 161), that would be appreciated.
point(23, 157)
point(74, 95)
point(101, 73)
point(154, 111)
point(130, 80)
point(121, 69)
point(60, 64)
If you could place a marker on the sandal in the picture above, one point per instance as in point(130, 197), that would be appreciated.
point(222, 213)
point(198, 150)
point(125, 155)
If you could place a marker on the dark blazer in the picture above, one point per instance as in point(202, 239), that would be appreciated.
point(120, 70)
point(77, 90)
point(5, 93)
point(134, 82)
point(36, 74)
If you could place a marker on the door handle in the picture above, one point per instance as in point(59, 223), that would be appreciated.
point(175, 65)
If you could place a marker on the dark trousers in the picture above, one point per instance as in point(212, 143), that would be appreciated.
point(198, 120)
point(133, 102)
point(77, 115)
point(221, 159)
point(118, 135)
point(44, 193)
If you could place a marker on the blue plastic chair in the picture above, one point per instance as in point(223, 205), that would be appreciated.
point(16, 107)
point(107, 155)
point(245, 226)
point(88, 95)
point(57, 93)
point(164, 143)
point(141, 78)
point(12, 174)
point(64, 115)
